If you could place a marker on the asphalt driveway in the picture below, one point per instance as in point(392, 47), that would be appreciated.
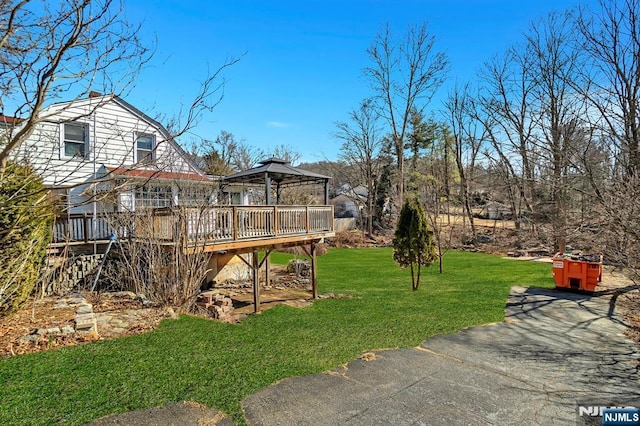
point(554, 352)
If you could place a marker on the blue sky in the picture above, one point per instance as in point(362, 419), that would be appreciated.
point(302, 70)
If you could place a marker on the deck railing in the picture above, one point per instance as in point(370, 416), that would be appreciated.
point(211, 224)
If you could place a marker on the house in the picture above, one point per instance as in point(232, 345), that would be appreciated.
point(350, 201)
point(101, 154)
point(494, 210)
point(102, 157)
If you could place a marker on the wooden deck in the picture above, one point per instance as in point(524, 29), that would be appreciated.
point(219, 228)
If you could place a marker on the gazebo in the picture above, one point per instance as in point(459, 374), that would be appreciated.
point(282, 174)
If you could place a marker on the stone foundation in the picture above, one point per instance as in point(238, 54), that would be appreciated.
point(63, 274)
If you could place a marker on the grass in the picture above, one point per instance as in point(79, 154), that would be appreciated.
point(220, 364)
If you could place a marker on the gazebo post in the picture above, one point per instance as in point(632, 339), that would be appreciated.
point(267, 188)
point(278, 199)
point(326, 192)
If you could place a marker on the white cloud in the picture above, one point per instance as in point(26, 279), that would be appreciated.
point(278, 124)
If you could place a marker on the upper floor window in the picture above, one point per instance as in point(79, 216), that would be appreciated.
point(145, 148)
point(74, 139)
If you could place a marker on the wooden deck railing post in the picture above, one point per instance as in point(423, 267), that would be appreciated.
point(308, 219)
point(235, 223)
point(275, 221)
point(85, 225)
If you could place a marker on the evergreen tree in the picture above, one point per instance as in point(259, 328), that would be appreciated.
point(25, 231)
point(413, 242)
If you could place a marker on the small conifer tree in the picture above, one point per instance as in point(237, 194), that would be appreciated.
point(413, 242)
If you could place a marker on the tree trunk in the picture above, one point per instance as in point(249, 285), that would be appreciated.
point(400, 177)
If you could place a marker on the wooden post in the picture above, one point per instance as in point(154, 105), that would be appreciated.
point(267, 277)
point(275, 221)
point(256, 282)
point(85, 225)
point(314, 277)
point(234, 212)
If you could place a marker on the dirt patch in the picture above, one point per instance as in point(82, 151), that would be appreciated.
point(36, 327)
point(40, 324)
point(624, 294)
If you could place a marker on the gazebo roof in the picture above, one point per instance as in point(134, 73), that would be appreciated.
point(279, 171)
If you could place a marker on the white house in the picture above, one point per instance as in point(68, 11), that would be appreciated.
point(350, 201)
point(103, 154)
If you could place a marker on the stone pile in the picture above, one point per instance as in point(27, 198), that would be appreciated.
point(85, 320)
point(300, 267)
point(218, 306)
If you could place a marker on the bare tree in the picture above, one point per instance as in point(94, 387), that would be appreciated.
point(610, 81)
point(469, 135)
point(360, 151)
point(557, 109)
point(247, 156)
point(52, 49)
point(217, 155)
point(286, 153)
point(404, 73)
point(504, 107)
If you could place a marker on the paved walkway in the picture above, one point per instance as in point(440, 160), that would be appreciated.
point(554, 351)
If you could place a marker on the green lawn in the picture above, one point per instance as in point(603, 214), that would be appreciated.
point(219, 364)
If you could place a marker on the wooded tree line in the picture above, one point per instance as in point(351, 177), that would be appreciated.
point(550, 127)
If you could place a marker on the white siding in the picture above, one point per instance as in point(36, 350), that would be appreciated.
point(112, 138)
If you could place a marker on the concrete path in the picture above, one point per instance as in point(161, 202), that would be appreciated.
point(554, 351)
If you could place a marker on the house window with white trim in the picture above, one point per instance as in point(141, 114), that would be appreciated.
point(145, 145)
point(153, 196)
point(195, 195)
point(74, 139)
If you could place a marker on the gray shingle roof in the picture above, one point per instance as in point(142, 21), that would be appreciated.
point(279, 171)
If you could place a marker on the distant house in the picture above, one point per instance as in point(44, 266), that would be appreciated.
point(495, 210)
point(350, 201)
point(101, 154)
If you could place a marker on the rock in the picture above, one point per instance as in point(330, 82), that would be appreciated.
point(48, 331)
point(484, 239)
point(85, 308)
point(67, 330)
point(61, 304)
point(86, 323)
point(31, 338)
point(102, 318)
point(124, 295)
point(299, 267)
point(147, 303)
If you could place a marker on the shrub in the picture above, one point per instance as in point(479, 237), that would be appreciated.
point(25, 231)
point(413, 242)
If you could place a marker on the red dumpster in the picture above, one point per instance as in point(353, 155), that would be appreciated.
point(577, 272)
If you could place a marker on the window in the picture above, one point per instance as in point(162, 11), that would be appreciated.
point(195, 195)
point(144, 148)
point(150, 196)
point(74, 139)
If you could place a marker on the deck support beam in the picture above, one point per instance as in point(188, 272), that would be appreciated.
point(256, 282)
point(255, 266)
point(314, 271)
point(311, 252)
